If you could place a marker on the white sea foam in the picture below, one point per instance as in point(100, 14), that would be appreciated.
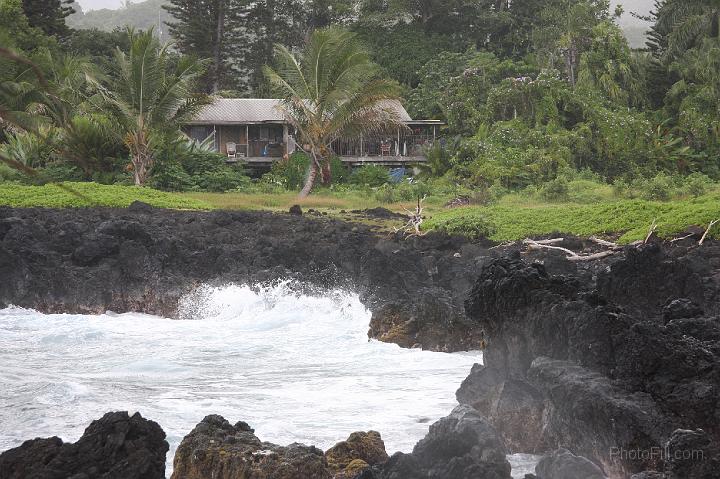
point(295, 367)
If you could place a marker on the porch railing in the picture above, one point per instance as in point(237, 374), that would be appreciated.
point(399, 145)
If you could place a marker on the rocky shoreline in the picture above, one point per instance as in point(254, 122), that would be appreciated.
point(610, 367)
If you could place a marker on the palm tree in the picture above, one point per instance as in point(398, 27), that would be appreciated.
point(332, 89)
point(150, 97)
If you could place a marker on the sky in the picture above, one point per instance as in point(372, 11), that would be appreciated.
point(98, 4)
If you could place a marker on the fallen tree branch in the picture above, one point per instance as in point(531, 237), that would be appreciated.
point(603, 242)
point(412, 227)
point(536, 245)
point(592, 257)
point(550, 241)
point(682, 238)
point(571, 255)
point(712, 223)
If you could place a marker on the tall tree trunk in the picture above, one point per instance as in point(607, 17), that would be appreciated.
point(315, 167)
point(326, 173)
point(217, 57)
point(309, 181)
point(141, 158)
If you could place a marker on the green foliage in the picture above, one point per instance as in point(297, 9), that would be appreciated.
point(697, 184)
point(403, 191)
point(403, 49)
point(370, 175)
point(556, 190)
point(291, 172)
point(91, 194)
point(470, 222)
point(48, 15)
point(32, 150)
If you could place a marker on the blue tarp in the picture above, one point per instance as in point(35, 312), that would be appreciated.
point(397, 175)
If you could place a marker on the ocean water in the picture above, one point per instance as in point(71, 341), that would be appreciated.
point(297, 368)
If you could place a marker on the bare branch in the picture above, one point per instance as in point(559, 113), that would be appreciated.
point(591, 257)
point(603, 242)
point(550, 241)
point(712, 223)
point(653, 228)
point(682, 238)
point(536, 245)
point(571, 255)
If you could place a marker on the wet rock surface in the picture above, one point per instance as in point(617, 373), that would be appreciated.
point(610, 366)
point(563, 464)
point(462, 445)
point(117, 446)
point(357, 453)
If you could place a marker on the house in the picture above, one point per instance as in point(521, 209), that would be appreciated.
point(260, 134)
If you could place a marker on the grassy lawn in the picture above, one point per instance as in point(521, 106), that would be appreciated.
point(630, 218)
point(328, 202)
point(514, 217)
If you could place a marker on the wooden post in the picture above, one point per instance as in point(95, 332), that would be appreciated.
point(433, 133)
point(362, 141)
point(397, 146)
point(247, 141)
point(285, 138)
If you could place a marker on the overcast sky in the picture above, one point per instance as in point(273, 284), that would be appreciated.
point(98, 4)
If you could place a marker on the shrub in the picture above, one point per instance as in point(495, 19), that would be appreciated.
point(556, 190)
point(470, 222)
point(222, 179)
point(32, 150)
point(290, 172)
point(659, 188)
point(339, 172)
point(370, 175)
point(403, 191)
point(182, 165)
point(697, 184)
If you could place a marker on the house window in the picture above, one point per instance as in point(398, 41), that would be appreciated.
point(200, 133)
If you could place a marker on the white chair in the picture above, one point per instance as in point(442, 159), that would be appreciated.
point(231, 150)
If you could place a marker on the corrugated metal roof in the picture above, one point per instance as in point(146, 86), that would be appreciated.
point(226, 111)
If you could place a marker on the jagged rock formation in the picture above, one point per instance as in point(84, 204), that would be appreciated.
point(219, 450)
point(117, 446)
point(356, 454)
point(621, 365)
point(461, 446)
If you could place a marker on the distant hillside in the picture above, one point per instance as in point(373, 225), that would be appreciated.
point(141, 15)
